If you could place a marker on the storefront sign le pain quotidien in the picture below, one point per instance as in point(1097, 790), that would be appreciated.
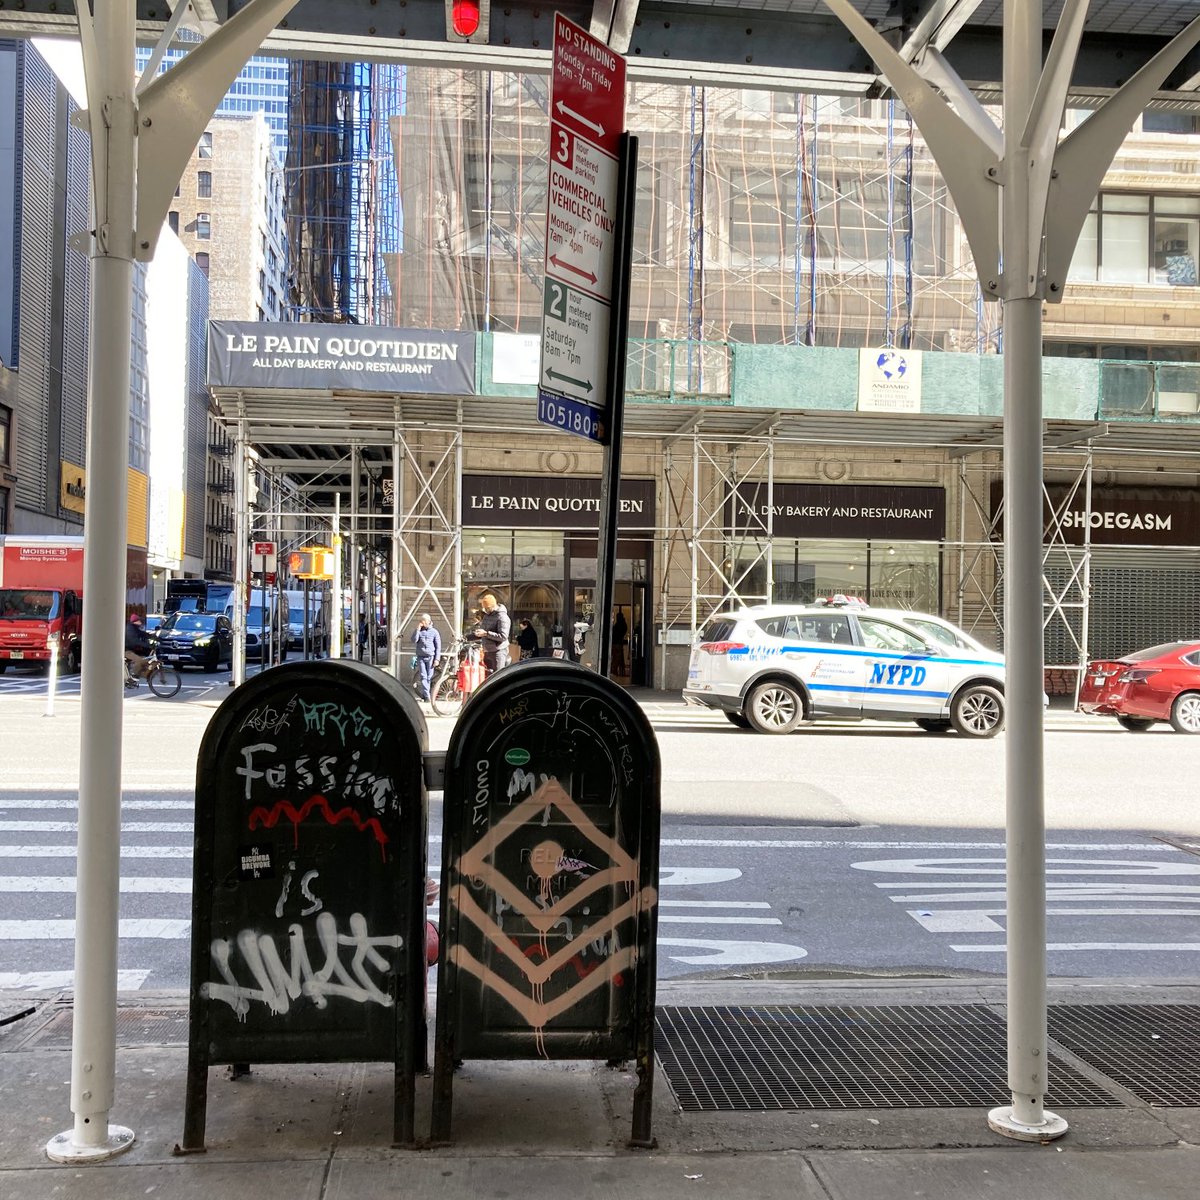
point(364, 358)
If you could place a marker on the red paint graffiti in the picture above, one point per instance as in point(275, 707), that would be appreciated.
point(284, 808)
point(582, 969)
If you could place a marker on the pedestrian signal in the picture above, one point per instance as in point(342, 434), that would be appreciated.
point(313, 562)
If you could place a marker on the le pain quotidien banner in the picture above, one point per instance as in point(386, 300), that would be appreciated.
point(294, 356)
point(551, 502)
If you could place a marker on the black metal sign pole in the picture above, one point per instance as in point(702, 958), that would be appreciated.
point(618, 339)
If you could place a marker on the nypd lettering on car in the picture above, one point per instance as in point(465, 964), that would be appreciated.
point(770, 667)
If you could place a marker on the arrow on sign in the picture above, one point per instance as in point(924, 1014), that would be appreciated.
point(586, 384)
point(570, 112)
point(566, 266)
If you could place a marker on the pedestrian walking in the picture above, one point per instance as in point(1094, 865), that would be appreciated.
point(527, 639)
point(427, 643)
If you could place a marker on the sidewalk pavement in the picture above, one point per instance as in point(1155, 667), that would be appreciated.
point(534, 1129)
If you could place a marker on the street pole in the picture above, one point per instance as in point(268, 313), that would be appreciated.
point(131, 193)
point(1024, 777)
point(94, 1021)
point(335, 616)
point(241, 539)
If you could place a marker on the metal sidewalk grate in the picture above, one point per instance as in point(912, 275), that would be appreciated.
point(767, 1058)
point(1152, 1050)
point(135, 1027)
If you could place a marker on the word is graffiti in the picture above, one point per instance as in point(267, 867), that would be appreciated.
point(279, 986)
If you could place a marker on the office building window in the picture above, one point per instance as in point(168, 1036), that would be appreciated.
point(202, 262)
point(204, 149)
point(203, 184)
point(173, 221)
point(203, 226)
point(1130, 238)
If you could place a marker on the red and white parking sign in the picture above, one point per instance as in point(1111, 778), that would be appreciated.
point(587, 119)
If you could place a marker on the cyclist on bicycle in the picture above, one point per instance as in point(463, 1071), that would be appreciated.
point(492, 630)
point(137, 647)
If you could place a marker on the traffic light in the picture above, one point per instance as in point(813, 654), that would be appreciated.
point(467, 20)
point(313, 562)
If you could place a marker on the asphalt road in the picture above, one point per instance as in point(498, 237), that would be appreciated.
point(836, 851)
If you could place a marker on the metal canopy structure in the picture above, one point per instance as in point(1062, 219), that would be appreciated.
point(308, 432)
point(793, 45)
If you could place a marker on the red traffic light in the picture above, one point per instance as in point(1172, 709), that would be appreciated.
point(464, 17)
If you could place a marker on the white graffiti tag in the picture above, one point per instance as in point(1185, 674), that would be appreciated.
point(277, 985)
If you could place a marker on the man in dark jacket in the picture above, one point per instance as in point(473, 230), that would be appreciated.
point(428, 645)
point(137, 646)
point(493, 630)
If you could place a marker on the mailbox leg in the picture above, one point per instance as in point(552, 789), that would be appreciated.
point(195, 1104)
point(443, 1088)
point(643, 1100)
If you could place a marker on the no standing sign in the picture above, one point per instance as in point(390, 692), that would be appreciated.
point(587, 109)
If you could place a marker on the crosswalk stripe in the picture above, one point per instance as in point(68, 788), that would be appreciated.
point(41, 805)
point(1146, 947)
point(60, 931)
point(703, 919)
point(72, 827)
point(73, 851)
point(41, 981)
point(151, 884)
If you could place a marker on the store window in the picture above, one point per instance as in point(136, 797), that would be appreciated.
point(885, 574)
point(524, 570)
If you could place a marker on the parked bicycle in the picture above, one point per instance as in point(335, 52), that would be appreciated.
point(457, 676)
point(161, 678)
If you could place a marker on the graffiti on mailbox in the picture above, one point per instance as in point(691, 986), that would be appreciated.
point(551, 893)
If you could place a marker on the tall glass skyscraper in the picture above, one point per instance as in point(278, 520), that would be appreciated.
point(261, 87)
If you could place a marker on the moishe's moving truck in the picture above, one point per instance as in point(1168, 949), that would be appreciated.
point(41, 600)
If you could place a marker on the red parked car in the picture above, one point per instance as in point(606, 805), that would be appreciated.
point(1158, 684)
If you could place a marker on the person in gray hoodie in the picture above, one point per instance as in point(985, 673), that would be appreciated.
point(493, 631)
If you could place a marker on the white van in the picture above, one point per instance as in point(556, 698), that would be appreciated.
point(266, 617)
point(317, 623)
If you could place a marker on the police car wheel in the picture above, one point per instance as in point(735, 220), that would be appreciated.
point(774, 708)
point(933, 725)
point(1185, 713)
point(978, 711)
point(737, 719)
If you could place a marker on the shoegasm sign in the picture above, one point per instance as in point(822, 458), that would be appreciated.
point(363, 358)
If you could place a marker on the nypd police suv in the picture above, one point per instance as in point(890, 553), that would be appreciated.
point(772, 666)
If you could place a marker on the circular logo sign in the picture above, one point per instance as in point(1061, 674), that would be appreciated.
point(516, 757)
